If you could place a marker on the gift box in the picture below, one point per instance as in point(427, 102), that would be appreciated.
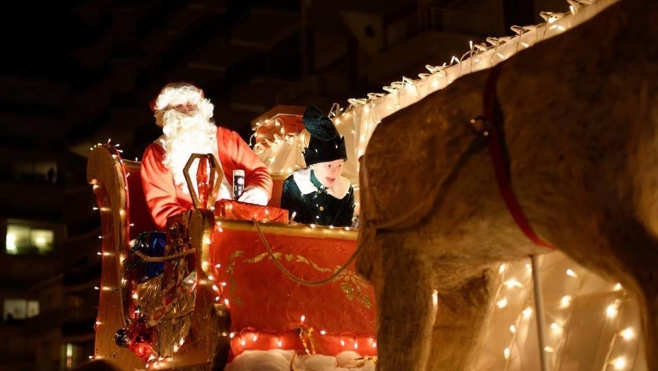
point(236, 210)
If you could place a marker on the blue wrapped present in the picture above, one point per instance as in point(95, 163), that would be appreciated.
point(157, 242)
point(151, 244)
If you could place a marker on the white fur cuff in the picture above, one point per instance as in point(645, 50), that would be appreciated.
point(255, 195)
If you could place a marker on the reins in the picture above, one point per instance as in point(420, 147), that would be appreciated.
point(493, 121)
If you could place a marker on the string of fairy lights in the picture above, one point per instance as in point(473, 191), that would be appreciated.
point(360, 118)
point(513, 319)
point(357, 123)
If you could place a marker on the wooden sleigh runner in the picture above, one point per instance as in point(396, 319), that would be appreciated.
point(211, 288)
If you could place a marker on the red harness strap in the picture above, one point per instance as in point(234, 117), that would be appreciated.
point(497, 151)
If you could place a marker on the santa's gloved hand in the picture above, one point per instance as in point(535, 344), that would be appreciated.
point(254, 195)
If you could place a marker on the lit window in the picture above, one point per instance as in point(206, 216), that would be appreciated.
point(22, 239)
point(42, 239)
point(32, 308)
point(75, 354)
point(16, 309)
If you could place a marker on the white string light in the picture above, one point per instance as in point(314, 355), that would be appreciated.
point(356, 120)
point(614, 312)
point(561, 307)
point(560, 330)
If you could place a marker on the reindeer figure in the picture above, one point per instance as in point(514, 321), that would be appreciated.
point(581, 133)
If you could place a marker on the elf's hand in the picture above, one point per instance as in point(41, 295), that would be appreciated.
point(254, 195)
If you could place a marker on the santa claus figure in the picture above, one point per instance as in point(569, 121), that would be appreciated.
point(186, 118)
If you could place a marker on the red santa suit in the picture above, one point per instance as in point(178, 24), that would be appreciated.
point(165, 199)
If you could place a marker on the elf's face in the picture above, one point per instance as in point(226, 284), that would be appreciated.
point(328, 172)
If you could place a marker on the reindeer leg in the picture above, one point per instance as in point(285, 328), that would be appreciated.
point(405, 310)
point(461, 311)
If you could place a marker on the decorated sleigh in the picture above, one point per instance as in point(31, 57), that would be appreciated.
point(212, 288)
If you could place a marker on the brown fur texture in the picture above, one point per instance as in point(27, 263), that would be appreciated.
point(581, 128)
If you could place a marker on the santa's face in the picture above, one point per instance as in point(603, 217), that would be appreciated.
point(328, 172)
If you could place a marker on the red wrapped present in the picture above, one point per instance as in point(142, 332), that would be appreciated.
point(230, 209)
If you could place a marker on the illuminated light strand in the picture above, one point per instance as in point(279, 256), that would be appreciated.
point(614, 311)
point(561, 327)
point(510, 284)
point(246, 338)
point(626, 333)
point(356, 116)
point(507, 352)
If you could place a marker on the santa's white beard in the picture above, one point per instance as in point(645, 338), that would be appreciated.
point(186, 134)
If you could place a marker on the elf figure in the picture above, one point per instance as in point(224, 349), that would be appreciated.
point(319, 194)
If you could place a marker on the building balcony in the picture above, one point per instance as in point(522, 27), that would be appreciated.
point(16, 350)
point(31, 197)
point(72, 321)
point(25, 270)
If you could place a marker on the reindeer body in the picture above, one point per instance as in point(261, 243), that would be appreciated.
point(580, 125)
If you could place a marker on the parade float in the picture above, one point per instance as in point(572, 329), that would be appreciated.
point(240, 287)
